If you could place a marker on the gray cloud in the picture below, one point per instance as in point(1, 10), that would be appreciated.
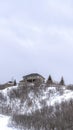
point(36, 36)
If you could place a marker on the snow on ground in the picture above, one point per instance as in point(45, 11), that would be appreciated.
point(4, 91)
point(45, 96)
point(48, 96)
point(4, 123)
point(56, 96)
point(67, 95)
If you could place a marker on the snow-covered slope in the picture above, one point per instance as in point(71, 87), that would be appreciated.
point(33, 100)
point(4, 123)
point(15, 100)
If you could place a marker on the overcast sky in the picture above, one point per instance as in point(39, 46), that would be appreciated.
point(36, 36)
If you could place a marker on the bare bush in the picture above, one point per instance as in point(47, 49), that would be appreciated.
point(60, 90)
point(70, 87)
point(59, 117)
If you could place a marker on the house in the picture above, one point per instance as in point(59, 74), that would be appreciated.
point(8, 84)
point(32, 79)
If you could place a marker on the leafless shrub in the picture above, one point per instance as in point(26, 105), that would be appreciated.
point(59, 117)
point(60, 89)
point(70, 87)
point(2, 97)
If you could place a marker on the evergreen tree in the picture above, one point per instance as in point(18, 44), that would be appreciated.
point(49, 81)
point(62, 81)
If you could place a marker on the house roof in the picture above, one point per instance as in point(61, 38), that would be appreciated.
point(32, 75)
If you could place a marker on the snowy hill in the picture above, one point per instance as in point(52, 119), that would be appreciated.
point(20, 101)
point(16, 99)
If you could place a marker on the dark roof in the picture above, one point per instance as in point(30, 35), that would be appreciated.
point(33, 74)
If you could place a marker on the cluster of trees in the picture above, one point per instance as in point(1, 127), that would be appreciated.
point(50, 81)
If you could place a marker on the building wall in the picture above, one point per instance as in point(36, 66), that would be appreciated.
point(31, 81)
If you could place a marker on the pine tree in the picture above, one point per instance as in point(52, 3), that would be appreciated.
point(62, 81)
point(49, 81)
